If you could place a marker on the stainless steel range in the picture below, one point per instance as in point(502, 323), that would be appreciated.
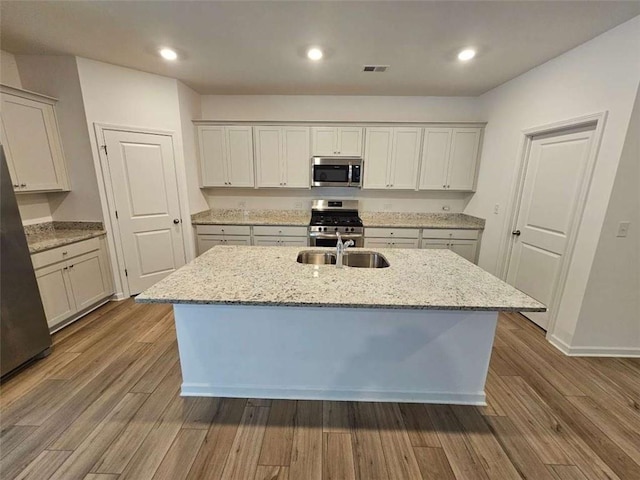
point(331, 216)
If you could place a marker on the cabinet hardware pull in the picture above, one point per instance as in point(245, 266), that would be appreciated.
point(176, 221)
point(23, 185)
point(70, 266)
point(64, 253)
point(516, 233)
point(15, 185)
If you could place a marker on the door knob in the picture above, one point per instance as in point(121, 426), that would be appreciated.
point(516, 233)
point(176, 221)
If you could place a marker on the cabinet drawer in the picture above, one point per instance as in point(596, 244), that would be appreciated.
point(392, 232)
point(59, 254)
point(450, 233)
point(391, 243)
point(280, 231)
point(223, 229)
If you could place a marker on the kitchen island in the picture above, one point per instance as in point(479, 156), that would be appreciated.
point(253, 322)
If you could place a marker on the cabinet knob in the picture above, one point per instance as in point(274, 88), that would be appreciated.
point(23, 185)
point(64, 253)
point(176, 221)
point(15, 185)
point(70, 266)
point(516, 233)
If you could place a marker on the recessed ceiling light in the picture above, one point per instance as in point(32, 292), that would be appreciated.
point(168, 54)
point(466, 54)
point(314, 53)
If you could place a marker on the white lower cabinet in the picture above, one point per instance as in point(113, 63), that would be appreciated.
point(280, 241)
point(70, 286)
point(260, 235)
point(205, 242)
point(391, 237)
point(462, 242)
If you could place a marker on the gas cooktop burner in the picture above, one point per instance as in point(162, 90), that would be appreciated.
point(336, 220)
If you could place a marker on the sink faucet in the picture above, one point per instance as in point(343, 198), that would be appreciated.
point(341, 247)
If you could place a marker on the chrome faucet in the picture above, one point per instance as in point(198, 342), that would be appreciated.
point(341, 248)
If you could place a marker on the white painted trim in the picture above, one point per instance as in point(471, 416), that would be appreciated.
point(324, 123)
point(79, 315)
point(206, 390)
point(506, 245)
point(592, 351)
point(107, 200)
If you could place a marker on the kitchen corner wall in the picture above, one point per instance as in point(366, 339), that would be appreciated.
point(336, 108)
point(57, 76)
point(34, 207)
point(601, 75)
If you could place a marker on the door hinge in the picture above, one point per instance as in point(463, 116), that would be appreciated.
point(104, 147)
point(126, 274)
point(116, 213)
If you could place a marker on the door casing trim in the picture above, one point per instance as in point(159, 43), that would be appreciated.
point(598, 120)
point(107, 201)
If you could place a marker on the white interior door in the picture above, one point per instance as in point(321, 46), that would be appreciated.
point(143, 177)
point(554, 176)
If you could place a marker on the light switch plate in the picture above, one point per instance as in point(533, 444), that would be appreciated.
point(623, 229)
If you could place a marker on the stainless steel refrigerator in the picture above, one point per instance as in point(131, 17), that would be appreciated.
point(24, 333)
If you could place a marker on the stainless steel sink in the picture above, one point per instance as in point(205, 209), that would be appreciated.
point(317, 258)
point(351, 259)
point(365, 260)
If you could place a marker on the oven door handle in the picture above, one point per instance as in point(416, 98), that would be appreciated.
point(345, 236)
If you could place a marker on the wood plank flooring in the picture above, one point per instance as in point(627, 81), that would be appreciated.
point(105, 405)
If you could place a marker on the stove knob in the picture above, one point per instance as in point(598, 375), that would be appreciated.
point(353, 229)
point(325, 229)
point(336, 229)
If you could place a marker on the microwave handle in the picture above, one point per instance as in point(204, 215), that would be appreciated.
point(350, 174)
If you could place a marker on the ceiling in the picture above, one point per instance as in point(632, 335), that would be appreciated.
point(239, 47)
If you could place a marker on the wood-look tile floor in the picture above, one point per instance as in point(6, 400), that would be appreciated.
point(105, 405)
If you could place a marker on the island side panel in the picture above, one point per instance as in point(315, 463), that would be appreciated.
point(431, 356)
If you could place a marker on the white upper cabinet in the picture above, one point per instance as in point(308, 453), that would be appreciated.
point(282, 156)
point(450, 158)
point(32, 142)
point(226, 156)
point(337, 141)
point(392, 157)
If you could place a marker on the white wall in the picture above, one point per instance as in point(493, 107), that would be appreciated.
point(57, 76)
point(124, 97)
point(378, 201)
point(190, 109)
point(600, 75)
point(9, 74)
point(340, 108)
point(610, 313)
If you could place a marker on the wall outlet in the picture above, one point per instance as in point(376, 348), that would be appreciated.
point(623, 229)
point(242, 204)
point(446, 208)
point(496, 209)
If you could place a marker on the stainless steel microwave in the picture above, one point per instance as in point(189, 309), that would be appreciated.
point(336, 172)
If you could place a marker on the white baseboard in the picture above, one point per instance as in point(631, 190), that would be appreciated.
point(586, 351)
point(283, 393)
point(117, 297)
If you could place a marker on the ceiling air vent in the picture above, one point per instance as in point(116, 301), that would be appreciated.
point(375, 68)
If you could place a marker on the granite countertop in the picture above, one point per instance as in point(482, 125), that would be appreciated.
point(252, 217)
point(415, 279)
point(45, 236)
point(421, 220)
point(369, 219)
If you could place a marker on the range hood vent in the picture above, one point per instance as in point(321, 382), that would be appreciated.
point(375, 68)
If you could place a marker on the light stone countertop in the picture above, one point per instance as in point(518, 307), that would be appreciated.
point(415, 279)
point(369, 219)
point(252, 217)
point(45, 236)
point(421, 220)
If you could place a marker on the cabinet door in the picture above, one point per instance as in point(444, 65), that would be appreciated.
point(205, 242)
point(377, 243)
point(87, 278)
point(56, 293)
point(465, 248)
point(324, 141)
point(12, 171)
point(269, 156)
point(294, 241)
point(435, 244)
point(239, 240)
point(349, 141)
point(377, 160)
point(405, 158)
point(33, 144)
point(239, 156)
point(435, 158)
point(213, 156)
point(267, 241)
point(463, 158)
point(296, 157)
point(404, 243)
